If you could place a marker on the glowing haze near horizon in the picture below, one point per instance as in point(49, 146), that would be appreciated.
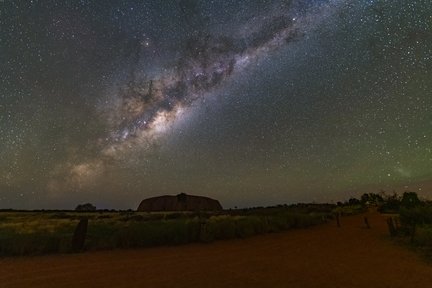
point(249, 102)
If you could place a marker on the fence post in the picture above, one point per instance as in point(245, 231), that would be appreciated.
point(338, 219)
point(413, 232)
point(367, 222)
point(391, 227)
point(79, 236)
point(202, 234)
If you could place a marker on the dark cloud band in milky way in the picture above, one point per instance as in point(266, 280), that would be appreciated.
point(147, 107)
point(208, 60)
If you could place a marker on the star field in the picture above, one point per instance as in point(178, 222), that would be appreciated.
point(249, 102)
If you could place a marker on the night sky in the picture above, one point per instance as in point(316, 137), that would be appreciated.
point(253, 103)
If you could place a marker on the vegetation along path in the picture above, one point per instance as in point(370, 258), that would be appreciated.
point(322, 256)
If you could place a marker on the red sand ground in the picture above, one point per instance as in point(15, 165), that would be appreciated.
point(323, 256)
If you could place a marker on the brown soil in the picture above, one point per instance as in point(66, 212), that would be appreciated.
point(323, 256)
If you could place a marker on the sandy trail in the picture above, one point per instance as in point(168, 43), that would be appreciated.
point(323, 256)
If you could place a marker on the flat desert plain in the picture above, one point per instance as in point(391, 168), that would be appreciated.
point(322, 256)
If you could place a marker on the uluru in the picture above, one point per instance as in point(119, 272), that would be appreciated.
point(180, 202)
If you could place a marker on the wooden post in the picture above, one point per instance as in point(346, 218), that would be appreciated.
point(396, 223)
point(338, 220)
point(366, 221)
point(391, 227)
point(202, 236)
point(79, 236)
point(413, 232)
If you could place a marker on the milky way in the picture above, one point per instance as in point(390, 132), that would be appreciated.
point(249, 102)
point(206, 61)
point(145, 108)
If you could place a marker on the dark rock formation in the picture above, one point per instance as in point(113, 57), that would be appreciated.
point(180, 202)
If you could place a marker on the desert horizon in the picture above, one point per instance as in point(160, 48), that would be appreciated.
point(229, 143)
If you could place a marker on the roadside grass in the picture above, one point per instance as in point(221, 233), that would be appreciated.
point(35, 233)
point(414, 228)
point(350, 210)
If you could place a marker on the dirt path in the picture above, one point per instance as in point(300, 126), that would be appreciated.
point(323, 256)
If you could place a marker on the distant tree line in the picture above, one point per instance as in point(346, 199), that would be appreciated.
point(387, 203)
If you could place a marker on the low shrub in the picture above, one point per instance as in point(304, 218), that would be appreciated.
point(221, 227)
point(416, 215)
point(245, 226)
point(33, 244)
point(423, 235)
point(350, 210)
point(416, 226)
point(32, 233)
point(153, 233)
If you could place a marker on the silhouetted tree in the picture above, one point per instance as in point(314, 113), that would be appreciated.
point(371, 199)
point(391, 203)
point(354, 201)
point(85, 207)
point(410, 200)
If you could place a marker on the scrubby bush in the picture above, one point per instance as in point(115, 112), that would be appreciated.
point(371, 199)
point(34, 243)
point(416, 222)
point(410, 200)
point(275, 224)
point(391, 204)
point(156, 233)
point(349, 210)
point(423, 236)
point(222, 227)
point(39, 233)
point(61, 215)
point(245, 226)
point(175, 215)
point(416, 215)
